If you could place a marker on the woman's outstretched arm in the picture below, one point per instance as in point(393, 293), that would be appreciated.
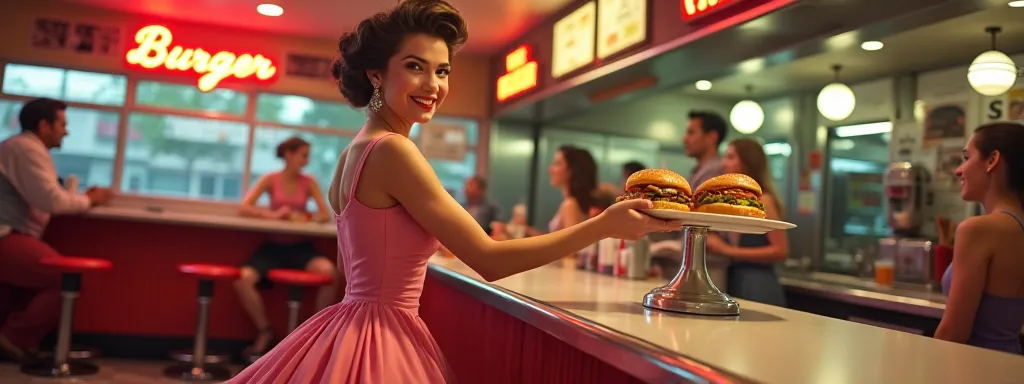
point(413, 183)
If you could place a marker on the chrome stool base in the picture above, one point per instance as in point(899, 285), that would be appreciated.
point(188, 372)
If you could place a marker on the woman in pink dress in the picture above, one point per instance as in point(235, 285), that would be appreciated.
point(392, 212)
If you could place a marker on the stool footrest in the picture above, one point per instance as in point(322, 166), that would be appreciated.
point(212, 357)
point(49, 369)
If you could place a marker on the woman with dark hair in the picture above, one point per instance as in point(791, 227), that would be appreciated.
point(392, 213)
point(574, 171)
point(751, 274)
point(985, 282)
point(289, 191)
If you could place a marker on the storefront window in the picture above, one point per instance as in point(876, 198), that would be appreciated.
point(191, 98)
point(324, 151)
point(171, 152)
point(298, 110)
point(86, 152)
point(171, 155)
point(67, 85)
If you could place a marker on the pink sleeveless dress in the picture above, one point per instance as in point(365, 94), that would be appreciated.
point(297, 202)
point(375, 335)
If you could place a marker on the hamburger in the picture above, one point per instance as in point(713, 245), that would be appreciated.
point(730, 194)
point(664, 188)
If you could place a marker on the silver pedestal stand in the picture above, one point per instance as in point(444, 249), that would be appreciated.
point(692, 291)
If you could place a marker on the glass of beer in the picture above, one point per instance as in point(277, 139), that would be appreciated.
point(884, 272)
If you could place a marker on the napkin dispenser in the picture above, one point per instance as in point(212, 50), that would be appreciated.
point(914, 258)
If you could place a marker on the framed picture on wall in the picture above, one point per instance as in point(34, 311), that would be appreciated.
point(50, 33)
point(308, 66)
point(1015, 105)
point(945, 122)
point(88, 38)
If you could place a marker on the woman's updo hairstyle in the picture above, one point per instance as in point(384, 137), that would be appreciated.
point(291, 145)
point(377, 38)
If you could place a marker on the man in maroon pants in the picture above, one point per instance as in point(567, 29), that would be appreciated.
point(29, 194)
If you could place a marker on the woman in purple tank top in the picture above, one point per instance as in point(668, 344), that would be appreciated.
point(985, 282)
point(289, 190)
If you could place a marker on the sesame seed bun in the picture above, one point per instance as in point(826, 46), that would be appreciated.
point(662, 178)
point(729, 181)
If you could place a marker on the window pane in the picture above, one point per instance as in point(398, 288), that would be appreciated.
point(95, 88)
point(323, 155)
point(176, 156)
point(189, 97)
point(453, 174)
point(86, 152)
point(28, 80)
point(9, 124)
point(298, 110)
point(76, 86)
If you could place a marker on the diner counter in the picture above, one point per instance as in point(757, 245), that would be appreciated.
point(602, 316)
point(229, 221)
point(860, 291)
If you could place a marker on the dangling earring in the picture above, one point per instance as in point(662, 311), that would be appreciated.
point(376, 101)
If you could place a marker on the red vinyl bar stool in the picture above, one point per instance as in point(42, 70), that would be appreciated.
point(296, 281)
point(71, 269)
point(199, 364)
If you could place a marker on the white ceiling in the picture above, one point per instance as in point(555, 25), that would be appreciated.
point(952, 42)
point(493, 24)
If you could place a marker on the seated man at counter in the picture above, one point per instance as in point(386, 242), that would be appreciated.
point(481, 207)
point(289, 190)
point(29, 194)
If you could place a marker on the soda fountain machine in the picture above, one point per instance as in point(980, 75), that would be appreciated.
point(907, 251)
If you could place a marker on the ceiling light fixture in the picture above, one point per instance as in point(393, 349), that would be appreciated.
point(871, 45)
point(268, 9)
point(747, 116)
point(992, 73)
point(836, 101)
point(703, 85)
point(1017, 4)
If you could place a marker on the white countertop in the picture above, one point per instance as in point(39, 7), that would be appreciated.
point(765, 343)
point(214, 221)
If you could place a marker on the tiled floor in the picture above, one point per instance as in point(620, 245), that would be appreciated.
point(111, 371)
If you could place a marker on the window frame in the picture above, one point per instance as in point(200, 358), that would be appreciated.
point(249, 118)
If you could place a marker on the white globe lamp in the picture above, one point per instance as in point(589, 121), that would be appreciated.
point(836, 101)
point(992, 73)
point(747, 116)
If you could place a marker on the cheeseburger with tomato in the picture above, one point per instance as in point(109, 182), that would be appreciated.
point(664, 188)
point(730, 194)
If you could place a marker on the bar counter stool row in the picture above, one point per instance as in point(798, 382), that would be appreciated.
point(195, 364)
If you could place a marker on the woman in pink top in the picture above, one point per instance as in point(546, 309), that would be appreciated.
point(392, 212)
point(289, 190)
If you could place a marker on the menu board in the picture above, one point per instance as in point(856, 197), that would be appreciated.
point(573, 45)
point(620, 24)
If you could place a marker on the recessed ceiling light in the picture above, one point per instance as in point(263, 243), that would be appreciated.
point(871, 45)
point(270, 10)
point(703, 85)
point(1017, 4)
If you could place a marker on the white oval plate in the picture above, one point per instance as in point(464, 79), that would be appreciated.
point(717, 222)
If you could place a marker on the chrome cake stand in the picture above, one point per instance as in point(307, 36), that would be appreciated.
point(692, 290)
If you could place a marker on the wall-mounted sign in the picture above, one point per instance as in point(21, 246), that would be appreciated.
point(620, 25)
point(573, 45)
point(520, 73)
point(154, 50)
point(443, 141)
point(695, 9)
